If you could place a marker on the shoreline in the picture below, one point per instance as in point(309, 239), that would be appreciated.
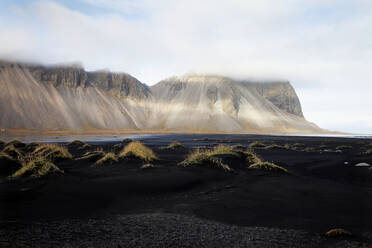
point(4, 132)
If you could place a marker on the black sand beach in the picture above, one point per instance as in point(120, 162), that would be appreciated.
point(122, 205)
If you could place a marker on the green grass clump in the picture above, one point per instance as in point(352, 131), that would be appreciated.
point(137, 150)
point(109, 158)
point(256, 144)
point(37, 167)
point(52, 152)
point(173, 145)
point(12, 151)
point(267, 166)
point(344, 147)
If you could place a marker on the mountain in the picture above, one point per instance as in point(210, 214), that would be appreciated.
point(208, 102)
point(67, 97)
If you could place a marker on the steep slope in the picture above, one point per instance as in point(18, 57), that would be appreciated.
point(281, 94)
point(204, 102)
point(68, 98)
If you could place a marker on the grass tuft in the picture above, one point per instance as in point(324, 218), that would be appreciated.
point(238, 147)
point(127, 140)
point(92, 156)
point(147, 166)
point(12, 151)
point(267, 166)
point(52, 152)
point(16, 143)
point(207, 157)
point(309, 149)
point(174, 145)
point(256, 144)
point(251, 157)
point(37, 167)
point(138, 150)
point(344, 147)
point(76, 143)
point(109, 158)
point(275, 146)
point(338, 233)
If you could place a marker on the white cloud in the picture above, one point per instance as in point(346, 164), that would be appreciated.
point(324, 47)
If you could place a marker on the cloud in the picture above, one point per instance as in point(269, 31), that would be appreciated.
point(323, 46)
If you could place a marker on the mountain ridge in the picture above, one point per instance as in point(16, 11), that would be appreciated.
point(75, 99)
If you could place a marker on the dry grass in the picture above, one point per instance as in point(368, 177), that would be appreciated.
point(202, 158)
point(267, 166)
point(173, 145)
point(93, 156)
point(207, 157)
point(127, 140)
point(256, 144)
point(84, 147)
point(223, 150)
point(76, 143)
point(251, 157)
point(5, 156)
point(108, 158)
point(37, 167)
point(147, 166)
point(16, 143)
point(275, 146)
point(344, 147)
point(238, 147)
point(338, 233)
point(12, 151)
point(309, 149)
point(138, 150)
point(52, 152)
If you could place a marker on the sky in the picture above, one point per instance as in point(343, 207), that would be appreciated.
point(323, 47)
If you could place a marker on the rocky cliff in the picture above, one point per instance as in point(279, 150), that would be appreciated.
point(207, 102)
point(281, 94)
point(70, 98)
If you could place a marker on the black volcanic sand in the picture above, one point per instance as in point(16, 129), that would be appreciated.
point(122, 205)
